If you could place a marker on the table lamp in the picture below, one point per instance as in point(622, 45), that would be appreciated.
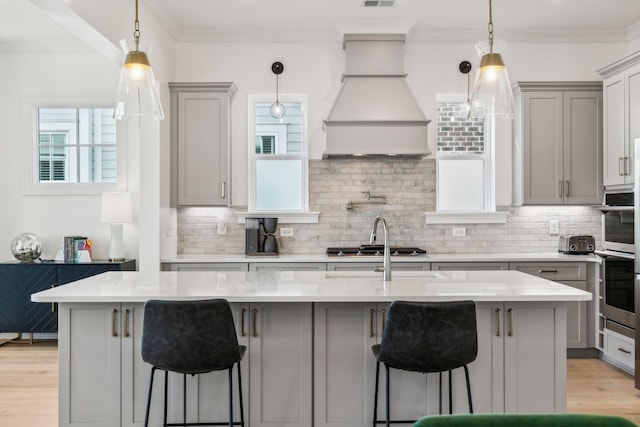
point(116, 210)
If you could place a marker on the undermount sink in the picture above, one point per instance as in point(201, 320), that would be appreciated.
point(375, 274)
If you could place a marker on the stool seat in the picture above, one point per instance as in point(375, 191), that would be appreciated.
point(427, 337)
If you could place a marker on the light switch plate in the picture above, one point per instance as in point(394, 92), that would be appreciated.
point(286, 232)
point(554, 226)
point(222, 227)
point(458, 231)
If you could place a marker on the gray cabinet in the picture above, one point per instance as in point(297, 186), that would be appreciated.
point(621, 87)
point(205, 266)
point(558, 143)
point(287, 266)
point(200, 144)
point(571, 274)
point(462, 266)
point(369, 266)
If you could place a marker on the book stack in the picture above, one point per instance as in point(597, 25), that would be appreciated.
point(72, 247)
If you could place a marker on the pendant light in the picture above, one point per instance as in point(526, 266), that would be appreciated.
point(277, 110)
point(491, 93)
point(138, 90)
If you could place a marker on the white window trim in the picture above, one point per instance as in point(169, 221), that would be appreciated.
point(252, 100)
point(31, 186)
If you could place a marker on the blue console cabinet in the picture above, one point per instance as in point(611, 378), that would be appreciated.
point(19, 280)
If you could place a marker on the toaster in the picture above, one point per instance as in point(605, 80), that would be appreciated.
point(576, 245)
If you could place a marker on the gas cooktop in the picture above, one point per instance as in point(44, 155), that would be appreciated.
point(375, 250)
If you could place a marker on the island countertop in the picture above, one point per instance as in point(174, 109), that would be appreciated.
point(312, 286)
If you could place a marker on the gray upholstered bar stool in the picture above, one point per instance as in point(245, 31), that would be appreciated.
point(426, 337)
point(191, 337)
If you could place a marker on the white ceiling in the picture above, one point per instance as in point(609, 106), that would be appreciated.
point(24, 26)
point(251, 20)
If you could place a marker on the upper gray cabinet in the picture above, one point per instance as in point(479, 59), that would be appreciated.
point(200, 144)
point(558, 143)
point(621, 87)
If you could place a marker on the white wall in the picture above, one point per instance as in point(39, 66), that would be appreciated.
point(48, 76)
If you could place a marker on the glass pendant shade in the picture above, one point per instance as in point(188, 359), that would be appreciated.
point(138, 93)
point(491, 93)
point(277, 110)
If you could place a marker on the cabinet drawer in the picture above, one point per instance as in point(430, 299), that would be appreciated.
point(619, 348)
point(554, 271)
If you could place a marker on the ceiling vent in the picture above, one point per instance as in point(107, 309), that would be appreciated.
point(379, 3)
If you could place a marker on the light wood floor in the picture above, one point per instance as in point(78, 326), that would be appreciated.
point(29, 380)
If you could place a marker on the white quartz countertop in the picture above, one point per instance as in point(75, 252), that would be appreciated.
point(481, 257)
point(312, 286)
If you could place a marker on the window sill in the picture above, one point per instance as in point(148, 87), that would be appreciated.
point(466, 217)
point(283, 217)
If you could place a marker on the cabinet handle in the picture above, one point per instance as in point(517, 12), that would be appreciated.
point(627, 165)
point(620, 169)
point(242, 332)
point(255, 322)
point(548, 271)
point(566, 192)
point(371, 311)
point(114, 313)
point(53, 304)
point(384, 318)
point(499, 316)
point(510, 322)
point(223, 190)
point(126, 322)
point(625, 351)
point(561, 188)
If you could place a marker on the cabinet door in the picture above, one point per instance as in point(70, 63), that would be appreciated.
point(633, 102)
point(17, 312)
point(290, 266)
point(535, 370)
point(89, 349)
point(202, 149)
point(582, 148)
point(206, 266)
point(280, 368)
point(543, 164)
point(344, 366)
point(454, 266)
point(614, 130)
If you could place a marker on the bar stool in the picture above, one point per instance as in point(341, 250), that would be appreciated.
point(191, 337)
point(426, 337)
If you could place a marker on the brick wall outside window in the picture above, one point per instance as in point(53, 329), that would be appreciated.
point(455, 133)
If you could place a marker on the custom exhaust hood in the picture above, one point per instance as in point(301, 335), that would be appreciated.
point(375, 113)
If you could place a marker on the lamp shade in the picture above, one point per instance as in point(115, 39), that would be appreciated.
point(116, 207)
point(491, 93)
point(138, 93)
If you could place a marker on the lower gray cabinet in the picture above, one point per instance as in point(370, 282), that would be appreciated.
point(457, 266)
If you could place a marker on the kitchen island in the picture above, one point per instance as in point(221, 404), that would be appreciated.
point(309, 336)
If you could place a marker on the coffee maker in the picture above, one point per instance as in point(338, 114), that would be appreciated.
point(260, 236)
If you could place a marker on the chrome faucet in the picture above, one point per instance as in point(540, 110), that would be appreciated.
point(386, 267)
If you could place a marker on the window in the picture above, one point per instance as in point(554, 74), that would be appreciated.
point(464, 158)
point(77, 145)
point(75, 150)
point(278, 155)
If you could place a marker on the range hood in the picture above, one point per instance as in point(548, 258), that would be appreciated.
point(375, 113)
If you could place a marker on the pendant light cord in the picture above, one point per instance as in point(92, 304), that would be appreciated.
point(490, 27)
point(277, 88)
point(136, 31)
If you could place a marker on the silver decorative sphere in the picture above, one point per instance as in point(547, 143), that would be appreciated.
point(26, 247)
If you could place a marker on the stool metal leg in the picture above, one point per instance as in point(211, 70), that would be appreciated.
point(231, 396)
point(466, 374)
point(450, 395)
point(240, 396)
point(387, 396)
point(184, 399)
point(375, 398)
point(166, 388)
point(146, 416)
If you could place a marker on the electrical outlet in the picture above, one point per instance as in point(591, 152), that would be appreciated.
point(222, 227)
point(458, 231)
point(286, 232)
point(554, 226)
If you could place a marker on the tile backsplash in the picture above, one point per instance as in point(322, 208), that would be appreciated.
point(409, 187)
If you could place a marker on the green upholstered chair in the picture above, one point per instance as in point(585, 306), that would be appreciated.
point(523, 420)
